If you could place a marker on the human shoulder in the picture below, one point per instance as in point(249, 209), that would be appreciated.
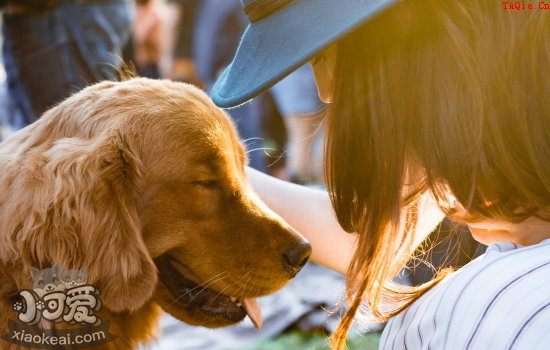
point(497, 300)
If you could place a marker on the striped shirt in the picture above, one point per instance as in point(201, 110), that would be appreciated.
point(501, 300)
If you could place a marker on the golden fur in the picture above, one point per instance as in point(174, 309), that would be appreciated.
point(119, 175)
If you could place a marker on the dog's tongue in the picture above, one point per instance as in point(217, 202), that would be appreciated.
point(254, 311)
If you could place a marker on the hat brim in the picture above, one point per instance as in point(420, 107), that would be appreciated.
point(273, 47)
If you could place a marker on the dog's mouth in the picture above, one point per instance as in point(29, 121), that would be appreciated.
point(190, 292)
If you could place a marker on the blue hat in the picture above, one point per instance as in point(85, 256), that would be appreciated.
point(282, 36)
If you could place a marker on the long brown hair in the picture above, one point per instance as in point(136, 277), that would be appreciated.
point(446, 97)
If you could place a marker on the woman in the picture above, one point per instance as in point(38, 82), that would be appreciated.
point(149, 34)
point(429, 99)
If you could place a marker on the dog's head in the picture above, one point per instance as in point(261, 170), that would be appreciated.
point(143, 183)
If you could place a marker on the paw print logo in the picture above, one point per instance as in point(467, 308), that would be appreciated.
point(40, 305)
point(17, 306)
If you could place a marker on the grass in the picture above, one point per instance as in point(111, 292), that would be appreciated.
point(306, 341)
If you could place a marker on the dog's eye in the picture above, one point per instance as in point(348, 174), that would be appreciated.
point(206, 183)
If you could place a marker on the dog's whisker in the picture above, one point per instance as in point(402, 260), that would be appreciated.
point(232, 284)
point(233, 153)
point(244, 286)
point(198, 286)
point(252, 138)
point(181, 296)
point(220, 293)
point(211, 278)
point(243, 277)
point(237, 291)
point(261, 149)
point(208, 280)
point(252, 288)
point(246, 274)
point(204, 288)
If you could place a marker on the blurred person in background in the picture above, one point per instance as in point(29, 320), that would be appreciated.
point(298, 101)
point(54, 48)
point(5, 129)
point(149, 37)
point(183, 13)
point(218, 27)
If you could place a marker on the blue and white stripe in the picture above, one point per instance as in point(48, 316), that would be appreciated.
point(501, 300)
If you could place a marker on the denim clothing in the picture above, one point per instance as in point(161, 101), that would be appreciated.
point(52, 54)
point(183, 46)
point(149, 70)
point(218, 27)
point(297, 93)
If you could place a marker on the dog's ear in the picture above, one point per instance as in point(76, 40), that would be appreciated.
point(58, 267)
point(34, 272)
point(97, 186)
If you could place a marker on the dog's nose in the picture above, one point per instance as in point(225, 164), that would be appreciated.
point(296, 257)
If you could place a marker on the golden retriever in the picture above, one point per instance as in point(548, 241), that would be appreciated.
point(142, 182)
